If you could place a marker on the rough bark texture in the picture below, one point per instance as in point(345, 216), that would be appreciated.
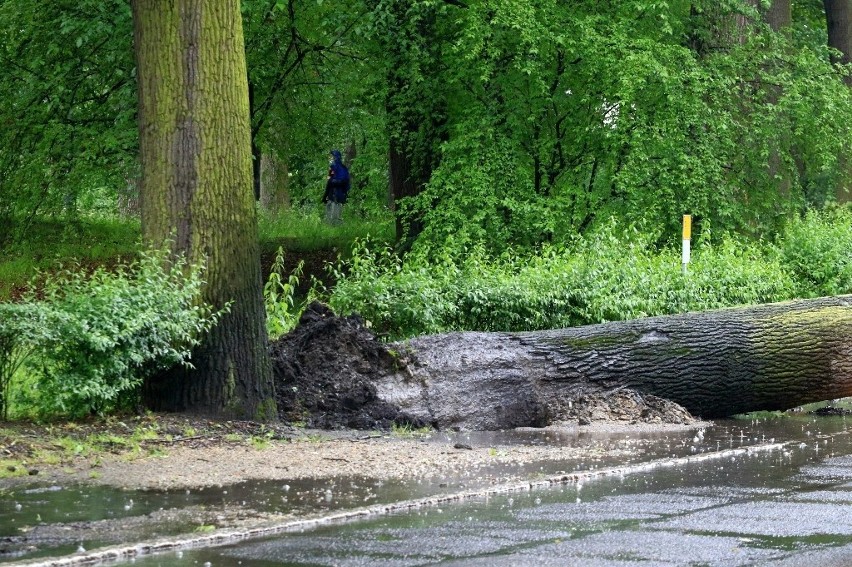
point(274, 183)
point(714, 364)
point(196, 192)
point(779, 15)
point(838, 16)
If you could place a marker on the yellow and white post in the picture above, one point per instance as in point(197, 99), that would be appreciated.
point(687, 236)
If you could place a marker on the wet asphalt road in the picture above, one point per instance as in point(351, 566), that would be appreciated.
point(791, 505)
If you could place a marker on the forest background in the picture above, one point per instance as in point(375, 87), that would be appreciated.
point(516, 164)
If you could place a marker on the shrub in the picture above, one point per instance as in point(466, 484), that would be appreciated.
point(23, 327)
point(610, 275)
point(817, 251)
point(282, 311)
point(397, 298)
point(92, 339)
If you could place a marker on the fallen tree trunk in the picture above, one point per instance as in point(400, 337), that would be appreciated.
point(714, 364)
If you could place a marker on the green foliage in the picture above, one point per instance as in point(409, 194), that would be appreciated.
point(49, 241)
point(23, 327)
point(560, 117)
point(817, 251)
point(305, 227)
point(408, 431)
point(522, 122)
point(68, 110)
point(613, 274)
point(398, 298)
point(282, 313)
point(91, 340)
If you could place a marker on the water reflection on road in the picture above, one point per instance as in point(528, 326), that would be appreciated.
point(791, 505)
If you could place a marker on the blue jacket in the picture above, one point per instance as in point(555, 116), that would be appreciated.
point(337, 187)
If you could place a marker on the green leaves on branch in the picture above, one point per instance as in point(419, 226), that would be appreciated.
point(816, 250)
point(279, 292)
point(614, 273)
point(88, 343)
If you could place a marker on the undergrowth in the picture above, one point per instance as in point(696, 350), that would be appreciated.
point(305, 228)
point(612, 274)
point(94, 242)
point(85, 344)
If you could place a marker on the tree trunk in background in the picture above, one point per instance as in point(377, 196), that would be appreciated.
point(127, 203)
point(415, 114)
point(256, 164)
point(274, 183)
point(196, 193)
point(779, 16)
point(404, 182)
point(838, 16)
point(717, 363)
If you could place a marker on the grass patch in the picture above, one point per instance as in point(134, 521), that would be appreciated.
point(102, 242)
point(259, 443)
point(407, 431)
point(49, 242)
point(305, 229)
point(205, 528)
point(11, 468)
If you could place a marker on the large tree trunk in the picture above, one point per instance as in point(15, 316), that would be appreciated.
point(196, 194)
point(779, 15)
point(714, 364)
point(838, 15)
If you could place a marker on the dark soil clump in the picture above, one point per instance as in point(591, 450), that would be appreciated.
point(325, 372)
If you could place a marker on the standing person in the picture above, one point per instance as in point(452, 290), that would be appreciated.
point(336, 188)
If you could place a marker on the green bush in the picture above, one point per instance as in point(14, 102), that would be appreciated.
point(279, 292)
point(89, 342)
point(610, 275)
point(817, 251)
point(397, 298)
point(23, 327)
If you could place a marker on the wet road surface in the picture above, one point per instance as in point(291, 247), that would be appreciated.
point(789, 502)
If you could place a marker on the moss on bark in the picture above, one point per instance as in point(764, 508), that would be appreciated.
point(196, 192)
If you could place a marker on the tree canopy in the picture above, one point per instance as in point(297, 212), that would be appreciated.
point(512, 122)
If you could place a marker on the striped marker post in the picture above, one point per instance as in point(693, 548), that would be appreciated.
point(687, 236)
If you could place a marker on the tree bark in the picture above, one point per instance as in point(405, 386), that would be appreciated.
point(717, 363)
point(838, 16)
point(196, 194)
point(779, 15)
point(274, 183)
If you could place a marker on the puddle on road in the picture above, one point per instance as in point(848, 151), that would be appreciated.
point(751, 508)
point(814, 438)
